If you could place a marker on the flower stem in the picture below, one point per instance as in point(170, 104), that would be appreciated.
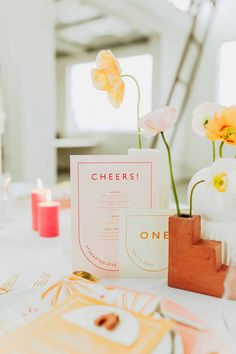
point(221, 149)
point(213, 151)
point(191, 196)
point(171, 174)
point(138, 107)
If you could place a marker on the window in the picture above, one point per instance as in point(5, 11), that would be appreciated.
point(227, 74)
point(90, 109)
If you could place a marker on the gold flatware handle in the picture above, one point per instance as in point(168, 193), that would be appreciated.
point(86, 275)
point(6, 287)
point(41, 281)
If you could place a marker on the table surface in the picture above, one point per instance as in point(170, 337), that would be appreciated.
point(24, 252)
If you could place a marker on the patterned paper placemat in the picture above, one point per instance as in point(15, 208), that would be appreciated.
point(142, 303)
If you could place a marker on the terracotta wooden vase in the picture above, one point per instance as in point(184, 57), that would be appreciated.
point(194, 264)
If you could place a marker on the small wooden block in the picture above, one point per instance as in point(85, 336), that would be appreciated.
point(194, 264)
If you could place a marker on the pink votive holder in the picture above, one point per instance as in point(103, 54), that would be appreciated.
point(48, 219)
point(37, 196)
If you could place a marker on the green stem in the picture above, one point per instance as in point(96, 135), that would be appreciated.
point(213, 151)
point(221, 149)
point(171, 174)
point(138, 107)
point(191, 196)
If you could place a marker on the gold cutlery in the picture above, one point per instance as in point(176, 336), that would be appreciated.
point(6, 287)
point(86, 275)
point(41, 281)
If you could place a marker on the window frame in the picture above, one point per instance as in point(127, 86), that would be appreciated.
point(219, 59)
point(64, 64)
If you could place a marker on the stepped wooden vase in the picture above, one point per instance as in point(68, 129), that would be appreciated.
point(194, 264)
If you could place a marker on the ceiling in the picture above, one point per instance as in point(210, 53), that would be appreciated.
point(86, 25)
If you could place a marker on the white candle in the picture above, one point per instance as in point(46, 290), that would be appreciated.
point(2, 125)
point(1, 155)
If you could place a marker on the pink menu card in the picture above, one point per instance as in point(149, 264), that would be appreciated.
point(100, 187)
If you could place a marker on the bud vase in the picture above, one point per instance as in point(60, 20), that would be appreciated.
point(162, 173)
point(218, 214)
point(220, 231)
point(194, 264)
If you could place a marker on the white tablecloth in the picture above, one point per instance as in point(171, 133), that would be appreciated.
point(24, 252)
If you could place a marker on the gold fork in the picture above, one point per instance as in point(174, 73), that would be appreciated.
point(6, 287)
point(41, 281)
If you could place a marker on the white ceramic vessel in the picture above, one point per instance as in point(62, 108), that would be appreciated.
point(163, 179)
point(218, 219)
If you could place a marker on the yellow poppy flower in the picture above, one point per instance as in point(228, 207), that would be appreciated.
point(223, 127)
point(107, 77)
point(220, 182)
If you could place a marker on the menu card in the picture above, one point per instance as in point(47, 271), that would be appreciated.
point(144, 243)
point(100, 187)
point(70, 328)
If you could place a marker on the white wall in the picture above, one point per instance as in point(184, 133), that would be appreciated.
point(27, 45)
point(190, 151)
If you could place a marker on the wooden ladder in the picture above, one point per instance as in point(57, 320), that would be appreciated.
point(202, 12)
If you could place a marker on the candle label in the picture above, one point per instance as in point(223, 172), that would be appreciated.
point(144, 242)
point(101, 187)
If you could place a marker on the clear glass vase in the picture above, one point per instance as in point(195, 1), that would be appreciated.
point(229, 299)
point(5, 197)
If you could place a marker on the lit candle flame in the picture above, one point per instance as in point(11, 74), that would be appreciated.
point(49, 196)
point(39, 183)
point(7, 183)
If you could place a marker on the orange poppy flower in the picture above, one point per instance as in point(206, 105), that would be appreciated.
point(223, 126)
point(107, 77)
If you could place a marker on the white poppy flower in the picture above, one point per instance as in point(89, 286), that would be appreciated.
point(158, 121)
point(216, 198)
point(222, 176)
point(202, 114)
